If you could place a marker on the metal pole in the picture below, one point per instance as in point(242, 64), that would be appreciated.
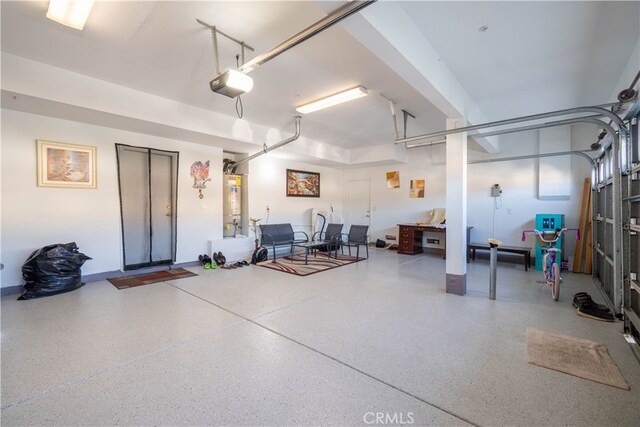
point(537, 126)
point(493, 262)
point(588, 119)
point(425, 144)
point(599, 110)
point(326, 22)
point(537, 156)
point(274, 146)
point(233, 39)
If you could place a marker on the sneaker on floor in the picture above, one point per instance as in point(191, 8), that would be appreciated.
point(583, 299)
point(592, 312)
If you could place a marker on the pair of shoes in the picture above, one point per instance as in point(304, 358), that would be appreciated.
point(586, 307)
point(219, 258)
point(205, 261)
point(583, 298)
point(241, 263)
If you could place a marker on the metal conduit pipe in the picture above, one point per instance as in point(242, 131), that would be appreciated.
point(266, 149)
point(425, 144)
point(537, 156)
point(534, 127)
point(590, 119)
point(333, 18)
point(595, 109)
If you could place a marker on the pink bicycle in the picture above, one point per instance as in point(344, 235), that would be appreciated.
point(550, 266)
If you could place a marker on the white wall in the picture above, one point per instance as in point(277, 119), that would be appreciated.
point(267, 187)
point(518, 180)
point(33, 216)
point(392, 206)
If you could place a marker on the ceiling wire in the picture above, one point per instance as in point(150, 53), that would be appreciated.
point(239, 106)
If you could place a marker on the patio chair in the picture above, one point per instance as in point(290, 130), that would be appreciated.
point(331, 236)
point(357, 237)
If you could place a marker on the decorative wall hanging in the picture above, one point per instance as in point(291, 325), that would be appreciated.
point(303, 184)
point(66, 165)
point(200, 175)
point(393, 179)
point(417, 189)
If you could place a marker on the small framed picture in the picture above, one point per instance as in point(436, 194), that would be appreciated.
point(66, 165)
point(303, 184)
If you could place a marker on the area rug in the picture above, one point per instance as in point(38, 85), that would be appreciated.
point(127, 282)
point(573, 356)
point(295, 264)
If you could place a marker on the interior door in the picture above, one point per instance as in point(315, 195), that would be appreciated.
point(359, 203)
point(148, 196)
point(161, 206)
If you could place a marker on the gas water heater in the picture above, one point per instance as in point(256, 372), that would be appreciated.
point(232, 205)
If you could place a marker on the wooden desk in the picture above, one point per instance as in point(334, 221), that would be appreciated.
point(410, 239)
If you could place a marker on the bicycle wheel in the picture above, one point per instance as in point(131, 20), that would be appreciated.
point(555, 281)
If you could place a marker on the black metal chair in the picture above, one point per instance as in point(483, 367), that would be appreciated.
point(331, 236)
point(278, 235)
point(357, 237)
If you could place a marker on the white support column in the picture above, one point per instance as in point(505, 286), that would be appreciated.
point(456, 175)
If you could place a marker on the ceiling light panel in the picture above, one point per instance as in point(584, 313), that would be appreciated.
point(72, 13)
point(330, 101)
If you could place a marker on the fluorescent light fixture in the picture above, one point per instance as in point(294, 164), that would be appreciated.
point(330, 101)
point(231, 83)
point(72, 13)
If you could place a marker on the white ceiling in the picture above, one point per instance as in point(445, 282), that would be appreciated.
point(535, 56)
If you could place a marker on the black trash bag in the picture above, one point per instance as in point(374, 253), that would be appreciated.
point(380, 243)
point(52, 270)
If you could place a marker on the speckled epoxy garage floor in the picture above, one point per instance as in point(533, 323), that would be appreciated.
point(254, 346)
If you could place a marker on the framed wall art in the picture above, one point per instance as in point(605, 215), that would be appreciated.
point(417, 189)
point(66, 165)
point(303, 184)
point(393, 179)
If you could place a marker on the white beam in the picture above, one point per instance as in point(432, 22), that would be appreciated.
point(456, 174)
point(387, 31)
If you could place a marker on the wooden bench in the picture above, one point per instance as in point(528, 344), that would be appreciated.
point(520, 250)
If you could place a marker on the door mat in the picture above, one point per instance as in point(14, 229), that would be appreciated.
point(321, 262)
point(126, 282)
point(574, 356)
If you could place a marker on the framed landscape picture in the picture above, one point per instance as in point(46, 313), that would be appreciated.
point(303, 184)
point(66, 165)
